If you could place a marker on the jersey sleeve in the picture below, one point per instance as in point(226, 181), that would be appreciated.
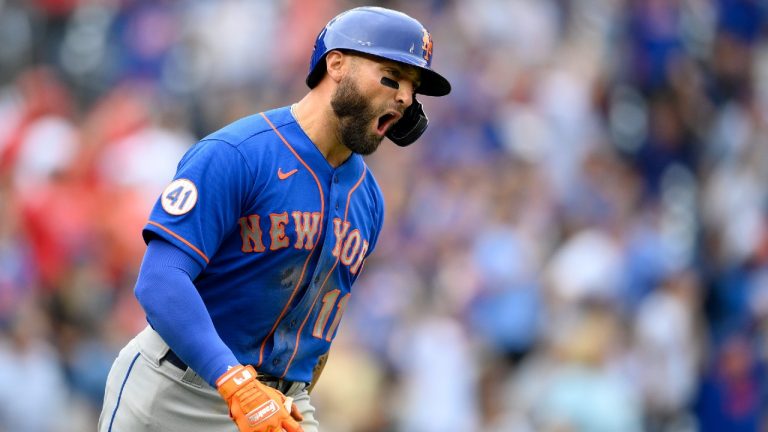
point(201, 205)
point(165, 279)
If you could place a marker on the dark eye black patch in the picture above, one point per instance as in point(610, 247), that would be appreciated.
point(389, 82)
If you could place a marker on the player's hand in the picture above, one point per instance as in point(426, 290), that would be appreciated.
point(254, 406)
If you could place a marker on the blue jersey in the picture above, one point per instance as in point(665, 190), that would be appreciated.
point(280, 233)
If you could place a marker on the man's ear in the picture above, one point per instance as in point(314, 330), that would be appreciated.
point(334, 64)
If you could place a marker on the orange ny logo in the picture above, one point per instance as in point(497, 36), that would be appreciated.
point(426, 44)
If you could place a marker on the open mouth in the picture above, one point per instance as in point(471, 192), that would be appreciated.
point(386, 121)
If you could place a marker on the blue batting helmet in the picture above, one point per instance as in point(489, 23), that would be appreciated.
point(383, 33)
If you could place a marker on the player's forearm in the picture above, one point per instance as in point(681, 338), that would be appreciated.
point(176, 311)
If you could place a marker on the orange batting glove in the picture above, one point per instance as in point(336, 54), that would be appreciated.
point(254, 406)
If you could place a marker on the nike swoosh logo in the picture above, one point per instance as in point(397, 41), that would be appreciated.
point(282, 176)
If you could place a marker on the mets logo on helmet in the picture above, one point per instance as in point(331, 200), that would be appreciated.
point(426, 44)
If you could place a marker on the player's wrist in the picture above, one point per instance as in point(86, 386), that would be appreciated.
point(217, 365)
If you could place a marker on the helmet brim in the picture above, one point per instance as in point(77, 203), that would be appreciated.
point(433, 84)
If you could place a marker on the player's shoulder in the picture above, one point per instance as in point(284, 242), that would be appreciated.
point(376, 196)
point(371, 183)
point(252, 129)
point(372, 188)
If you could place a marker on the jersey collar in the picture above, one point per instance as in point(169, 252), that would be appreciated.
point(348, 172)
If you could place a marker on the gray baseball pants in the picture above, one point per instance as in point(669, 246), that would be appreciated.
point(147, 394)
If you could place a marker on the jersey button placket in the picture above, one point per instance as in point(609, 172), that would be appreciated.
point(334, 194)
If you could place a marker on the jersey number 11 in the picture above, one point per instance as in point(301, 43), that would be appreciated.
point(329, 300)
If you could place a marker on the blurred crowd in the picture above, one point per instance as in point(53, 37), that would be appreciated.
point(579, 242)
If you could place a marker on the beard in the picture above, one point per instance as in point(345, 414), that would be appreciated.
point(355, 116)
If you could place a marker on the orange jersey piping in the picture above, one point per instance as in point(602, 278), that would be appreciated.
point(306, 262)
point(320, 290)
point(181, 239)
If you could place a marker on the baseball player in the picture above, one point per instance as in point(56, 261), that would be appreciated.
point(253, 248)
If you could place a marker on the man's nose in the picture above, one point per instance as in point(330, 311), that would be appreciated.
point(405, 93)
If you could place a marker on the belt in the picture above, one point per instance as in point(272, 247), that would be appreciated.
point(173, 359)
point(276, 383)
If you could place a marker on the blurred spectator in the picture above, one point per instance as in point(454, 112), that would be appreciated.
point(30, 376)
point(426, 351)
point(732, 393)
point(668, 352)
point(578, 384)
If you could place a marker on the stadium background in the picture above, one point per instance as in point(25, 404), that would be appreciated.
point(578, 243)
